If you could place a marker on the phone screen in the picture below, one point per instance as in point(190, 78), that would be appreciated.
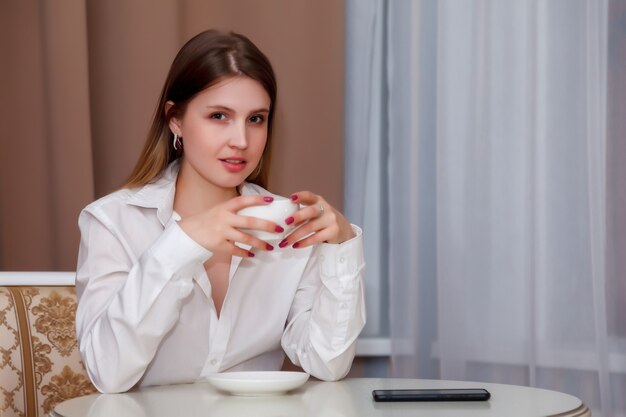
point(471, 394)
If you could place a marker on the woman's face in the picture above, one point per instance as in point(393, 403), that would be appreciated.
point(224, 131)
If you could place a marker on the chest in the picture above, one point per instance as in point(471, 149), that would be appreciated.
point(218, 269)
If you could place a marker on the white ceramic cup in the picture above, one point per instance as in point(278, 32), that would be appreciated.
point(276, 211)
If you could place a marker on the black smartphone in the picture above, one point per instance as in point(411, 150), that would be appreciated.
point(464, 394)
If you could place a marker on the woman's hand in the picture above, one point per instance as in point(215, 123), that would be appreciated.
point(217, 229)
point(318, 219)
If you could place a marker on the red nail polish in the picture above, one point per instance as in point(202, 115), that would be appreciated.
point(268, 199)
point(289, 220)
point(269, 247)
point(283, 243)
point(295, 245)
point(250, 254)
point(279, 229)
point(294, 197)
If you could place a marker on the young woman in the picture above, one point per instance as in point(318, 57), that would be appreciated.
point(171, 288)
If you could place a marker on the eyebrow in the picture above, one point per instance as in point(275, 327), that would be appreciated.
point(218, 107)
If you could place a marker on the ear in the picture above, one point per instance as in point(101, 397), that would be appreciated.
point(174, 123)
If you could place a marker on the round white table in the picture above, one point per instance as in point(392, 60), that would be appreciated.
point(347, 398)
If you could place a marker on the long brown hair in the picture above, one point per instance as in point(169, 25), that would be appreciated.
point(204, 60)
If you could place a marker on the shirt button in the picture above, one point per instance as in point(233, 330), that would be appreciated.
point(213, 362)
point(342, 259)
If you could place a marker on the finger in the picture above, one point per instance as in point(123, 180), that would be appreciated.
point(255, 223)
point(303, 215)
point(241, 202)
point(305, 230)
point(305, 197)
point(312, 227)
point(240, 252)
point(314, 239)
point(250, 240)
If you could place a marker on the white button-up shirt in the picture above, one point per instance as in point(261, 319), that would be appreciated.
point(146, 315)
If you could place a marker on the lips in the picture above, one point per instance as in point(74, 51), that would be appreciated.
point(234, 164)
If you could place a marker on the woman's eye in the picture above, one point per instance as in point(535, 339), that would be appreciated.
point(218, 116)
point(257, 119)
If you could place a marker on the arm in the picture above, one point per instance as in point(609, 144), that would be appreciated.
point(127, 304)
point(328, 311)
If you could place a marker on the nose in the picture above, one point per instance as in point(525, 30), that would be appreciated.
point(238, 135)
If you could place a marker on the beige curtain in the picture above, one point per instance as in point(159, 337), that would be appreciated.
point(79, 81)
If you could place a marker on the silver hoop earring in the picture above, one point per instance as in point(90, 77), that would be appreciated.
point(177, 143)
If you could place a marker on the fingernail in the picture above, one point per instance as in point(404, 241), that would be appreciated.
point(289, 220)
point(250, 254)
point(279, 229)
point(295, 245)
point(283, 243)
point(268, 199)
point(294, 197)
point(269, 247)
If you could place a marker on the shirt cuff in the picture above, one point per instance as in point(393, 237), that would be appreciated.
point(176, 251)
point(343, 259)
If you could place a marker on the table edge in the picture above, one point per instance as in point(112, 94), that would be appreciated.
point(580, 411)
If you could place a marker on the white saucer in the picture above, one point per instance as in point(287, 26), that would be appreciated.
point(258, 383)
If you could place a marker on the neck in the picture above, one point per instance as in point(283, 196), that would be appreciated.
point(195, 195)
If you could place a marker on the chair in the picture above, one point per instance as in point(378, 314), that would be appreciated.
point(40, 364)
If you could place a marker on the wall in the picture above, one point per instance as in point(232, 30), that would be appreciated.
point(80, 81)
point(304, 42)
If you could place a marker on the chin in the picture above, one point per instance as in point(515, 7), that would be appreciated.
point(232, 181)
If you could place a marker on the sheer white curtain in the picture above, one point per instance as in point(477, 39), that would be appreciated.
point(483, 150)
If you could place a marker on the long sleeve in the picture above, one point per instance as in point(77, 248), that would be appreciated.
point(328, 311)
point(127, 304)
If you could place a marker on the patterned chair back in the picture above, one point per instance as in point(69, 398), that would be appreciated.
point(40, 364)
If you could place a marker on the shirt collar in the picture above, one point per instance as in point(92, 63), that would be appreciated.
point(159, 194)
